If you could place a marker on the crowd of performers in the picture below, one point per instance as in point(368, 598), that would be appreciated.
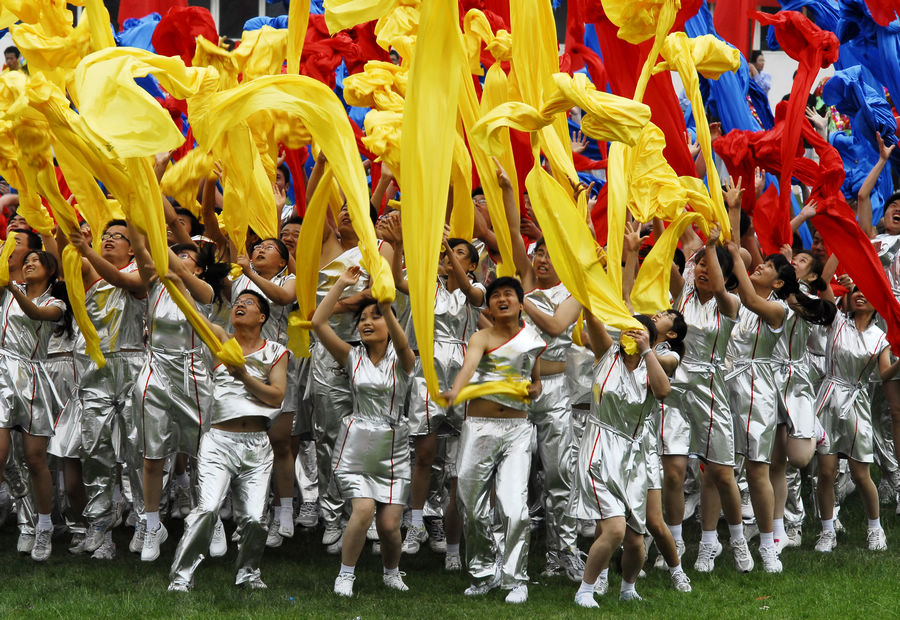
point(755, 377)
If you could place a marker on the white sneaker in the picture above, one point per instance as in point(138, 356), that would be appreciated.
point(601, 586)
point(273, 538)
point(25, 544)
point(680, 581)
point(178, 585)
point(630, 595)
point(660, 563)
point(181, 503)
point(415, 536)
point(794, 536)
point(484, 587)
point(152, 541)
point(770, 561)
point(706, 556)
point(95, 535)
point(76, 546)
point(372, 532)
point(255, 583)
point(518, 594)
point(838, 526)
point(826, 542)
point(452, 561)
point(43, 546)
point(332, 533)
point(885, 491)
point(137, 539)
point(218, 546)
point(743, 561)
point(286, 528)
point(586, 599)
point(587, 528)
point(335, 547)
point(552, 568)
point(572, 563)
point(395, 581)
point(437, 540)
point(107, 550)
point(876, 539)
point(343, 585)
point(308, 515)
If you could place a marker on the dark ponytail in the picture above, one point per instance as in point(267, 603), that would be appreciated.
point(811, 309)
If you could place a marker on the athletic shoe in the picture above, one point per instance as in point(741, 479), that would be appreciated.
point(227, 509)
point(751, 530)
point(218, 546)
point(76, 546)
point(236, 535)
point(743, 561)
point(485, 586)
point(452, 561)
point(843, 487)
point(42, 545)
point(395, 581)
point(437, 540)
point(706, 556)
point(630, 595)
point(518, 594)
point(780, 544)
point(255, 583)
point(552, 568)
point(308, 516)
point(601, 586)
point(137, 539)
point(415, 536)
point(680, 581)
point(746, 506)
point(25, 543)
point(343, 585)
point(107, 550)
point(286, 528)
point(152, 540)
point(838, 526)
point(587, 528)
point(376, 547)
point(181, 503)
point(794, 536)
point(335, 547)
point(119, 516)
point(372, 532)
point(876, 539)
point(572, 563)
point(332, 534)
point(274, 539)
point(661, 564)
point(179, 585)
point(96, 533)
point(826, 542)
point(885, 491)
point(770, 561)
point(586, 599)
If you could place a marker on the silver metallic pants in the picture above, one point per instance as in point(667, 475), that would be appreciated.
point(109, 433)
point(243, 462)
point(552, 417)
point(494, 454)
point(306, 472)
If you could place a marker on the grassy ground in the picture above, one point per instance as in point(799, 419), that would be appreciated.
point(850, 583)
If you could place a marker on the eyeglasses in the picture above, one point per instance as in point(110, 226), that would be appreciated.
point(246, 301)
point(267, 247)
point(187, 256)
point(108, 236)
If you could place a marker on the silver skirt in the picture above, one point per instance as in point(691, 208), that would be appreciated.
point(28, 399)
point(371, 460)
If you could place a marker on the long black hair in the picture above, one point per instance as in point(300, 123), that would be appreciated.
point(812, 309)
point(57, 290)
point(679, 326)
point(214, 272)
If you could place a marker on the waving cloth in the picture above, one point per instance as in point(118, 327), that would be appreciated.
point(813, 48)
point(8, 247)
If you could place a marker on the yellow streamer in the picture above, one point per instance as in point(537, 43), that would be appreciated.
point(298, 20)
point(8, 247)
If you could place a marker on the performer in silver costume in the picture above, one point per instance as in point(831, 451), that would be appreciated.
point(268, 274)
point(856, 349)
point(28, 400)
point(115, 297)
point(236, 453)
point(173, 391)
point(371, 466)
point(494, 446)
point(698, 420)
point(612, 478)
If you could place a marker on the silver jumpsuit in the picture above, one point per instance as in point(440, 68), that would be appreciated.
point(843, 405)
point(241, 462)
point(494, 453)
point(108, 428)
point(611, 478)
point(173, 391)
point(551, 414)
point(752, 390)
point(698, 420)
point(28, 399)
point(371, 458)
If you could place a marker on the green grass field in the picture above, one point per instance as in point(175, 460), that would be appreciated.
point(850, 583)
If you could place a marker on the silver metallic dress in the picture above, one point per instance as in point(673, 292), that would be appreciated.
point(173, 391)
point(495, 454)
point(63, 371)
point(611, 478)
point(241, 462)
point(793, 377)
point(752, 391)
point(371, 458)
point(843, 405)
point(652, 424)
point(28, 399)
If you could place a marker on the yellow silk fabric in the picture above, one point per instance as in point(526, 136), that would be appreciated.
point(182, 179)
point(654, 188)
point(71, 266)
point(617, 198)
point(8, 247)
point(477, 30)
point(343, 14)
point(208, 54)
point(426, 156)
point(98, 22)
point(261, 52)
point(54, 55)
point(513, 389)
point(462, 215)
point(298, 20)
point(326, 120)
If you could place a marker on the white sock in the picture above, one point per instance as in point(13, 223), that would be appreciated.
point(286, 509)
point(875, 524)
point(674, 570)
point(675, 530)
point(710, 537)
point(347, 570)
point(828, 525)
point(417, 517)
point(627, 587)
point(778, 529)
point(182, 480)
point(736, 531)
point(392, 571)
point(604, 574)
point(585, 588)
point(453, 549)
point(766, 539)
point(44, 522)
point(152, 520)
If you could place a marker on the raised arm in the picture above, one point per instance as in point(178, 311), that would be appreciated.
point(828, 272)
point(727, 303)
point(557, 323)
point(31, 309)
point(771, 312)
point(520, 254)
point(630, 247)
point(600, 341)
point(474, 295)
point(864, 204)
point(132, 282)
point(398, 337)
point(175, 278)
point(208, 211)
point(282, 294)
point(339, 349)
point(656, 375)
point(732, 196)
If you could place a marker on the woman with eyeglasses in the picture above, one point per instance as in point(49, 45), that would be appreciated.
point(30, 402)
point(266, 272)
